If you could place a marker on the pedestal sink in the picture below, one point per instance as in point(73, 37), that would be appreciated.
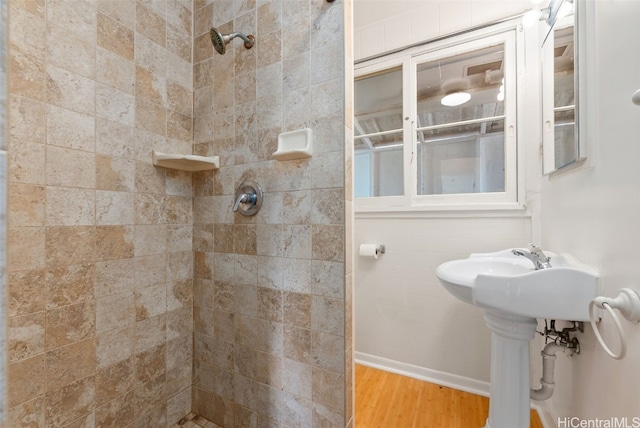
point(513, 294)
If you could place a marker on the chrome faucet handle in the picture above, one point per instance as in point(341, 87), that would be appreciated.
point(535, 254)
point(534, 249)
point(248, 198)
point(243, 199)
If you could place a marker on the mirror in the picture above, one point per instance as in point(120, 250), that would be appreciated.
point(564, 80)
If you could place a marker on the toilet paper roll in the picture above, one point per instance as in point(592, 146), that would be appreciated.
point(368, 250)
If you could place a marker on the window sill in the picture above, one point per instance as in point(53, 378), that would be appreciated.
point(510, 209)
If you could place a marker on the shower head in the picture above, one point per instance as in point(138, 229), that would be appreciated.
point(220, 40)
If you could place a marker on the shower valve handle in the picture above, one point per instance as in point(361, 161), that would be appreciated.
point(245, 198)
point(248, 198)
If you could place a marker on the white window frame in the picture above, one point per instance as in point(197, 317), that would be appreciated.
point(513, 196)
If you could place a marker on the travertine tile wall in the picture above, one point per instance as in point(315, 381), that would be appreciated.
point(3, 209)
point(269, 294)
point(100, 242)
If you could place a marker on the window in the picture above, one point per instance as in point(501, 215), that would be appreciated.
point(417, 149)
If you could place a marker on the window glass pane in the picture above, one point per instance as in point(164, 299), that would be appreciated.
point(378, 102)
point(378, 166)
point(468, 155)
point(478, 74)
point(464, 159)
point(566, 147)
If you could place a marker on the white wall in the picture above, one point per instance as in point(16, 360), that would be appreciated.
point(594, 213)
point(404, 315)
point(405, 320)
point(384, 25)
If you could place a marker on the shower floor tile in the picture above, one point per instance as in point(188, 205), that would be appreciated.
point(194, 421)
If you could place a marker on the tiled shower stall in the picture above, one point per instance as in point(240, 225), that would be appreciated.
point(135, 295)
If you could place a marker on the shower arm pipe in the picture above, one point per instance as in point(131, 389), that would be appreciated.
point(248, 42)
point(548, 367)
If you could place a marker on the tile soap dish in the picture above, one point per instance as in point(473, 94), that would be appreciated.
point(294, 145)
point(186, 162)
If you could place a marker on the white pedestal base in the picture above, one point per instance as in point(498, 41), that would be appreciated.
point(509, 405)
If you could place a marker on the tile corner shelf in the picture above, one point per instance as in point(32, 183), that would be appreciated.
point(190, 163)
point(294, 145)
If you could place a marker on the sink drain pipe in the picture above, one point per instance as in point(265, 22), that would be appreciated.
point(548, 365)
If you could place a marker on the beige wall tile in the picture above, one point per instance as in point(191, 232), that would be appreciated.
point(65, 49)
point(117, 413)
point(27, 32)
point(179, 126)
point(70, 402)
point(179, 322)
point(114, 276)
point(115, 37)
point(67, 128)
point(150, 270)
point(117, 174)
point(150, 55)
point(25, 248)
point(70, 90)
point(26, 162)
point(25, 294)
point(149, 396)
point(67, 285)
point(114, 312)
point(150, 333)
point(115, 71)
point(121, 11)
point(150, 301)
point(151, 24)
point(150, 364)
point(29, 412)
point(28, 119)
point(115, 105)
point(114, 208)
point(328, 388)
point(26, 75)
point(28, 378)
point(180, 17)
point(150, 240)
point(114, 242)
point(67, 245)
point(115, 346)
point(27, 206)
point(178, 44)
point(79, 17)
point(150, 117)
point(180, 294)
point(114, 381)
point(70, 363)
point(26, 336)
point(151, 85)
point(70, 324)
point(70, 206)
point(59, 173)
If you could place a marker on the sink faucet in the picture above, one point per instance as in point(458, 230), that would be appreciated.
point(535, 254)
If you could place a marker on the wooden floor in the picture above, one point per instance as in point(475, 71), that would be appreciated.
point(387, 400)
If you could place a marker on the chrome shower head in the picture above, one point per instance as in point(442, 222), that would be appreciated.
point(220, 40)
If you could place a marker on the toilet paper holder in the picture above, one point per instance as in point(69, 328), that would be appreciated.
point(371, 250)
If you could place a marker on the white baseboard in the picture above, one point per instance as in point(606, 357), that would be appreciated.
point(421, 373)
point(545, 410)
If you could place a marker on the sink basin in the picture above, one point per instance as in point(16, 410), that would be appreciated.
point(509, 283)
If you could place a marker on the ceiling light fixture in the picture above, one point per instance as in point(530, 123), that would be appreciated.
point(455, 99)
point(455, 92)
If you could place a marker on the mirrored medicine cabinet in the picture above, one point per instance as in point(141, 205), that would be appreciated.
point(566, 65)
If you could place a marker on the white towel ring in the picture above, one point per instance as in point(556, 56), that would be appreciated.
point(623, 342)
